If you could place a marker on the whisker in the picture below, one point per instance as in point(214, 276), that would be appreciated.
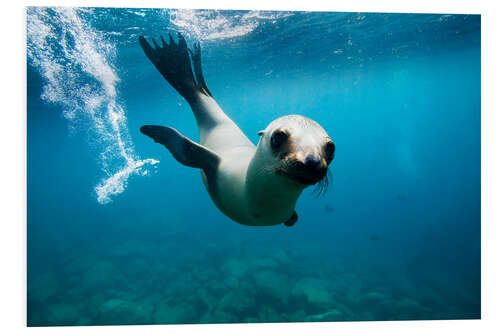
point(322, 186)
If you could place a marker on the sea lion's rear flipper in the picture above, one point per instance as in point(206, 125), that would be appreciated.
point(292, 220)
point(196, 56)
point(184, 150)
point(173, 62)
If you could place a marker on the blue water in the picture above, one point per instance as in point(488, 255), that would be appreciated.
point(121, 233)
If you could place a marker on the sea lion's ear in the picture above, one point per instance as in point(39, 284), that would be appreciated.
point(261, 133)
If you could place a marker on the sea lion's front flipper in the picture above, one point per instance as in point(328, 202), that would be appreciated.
point(184, 150)
point(291, 221)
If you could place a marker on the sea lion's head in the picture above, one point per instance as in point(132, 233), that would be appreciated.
point(298, 149)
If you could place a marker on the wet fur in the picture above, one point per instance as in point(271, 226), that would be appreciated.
point(246, 185)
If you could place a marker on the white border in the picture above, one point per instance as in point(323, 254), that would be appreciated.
point(13, 152)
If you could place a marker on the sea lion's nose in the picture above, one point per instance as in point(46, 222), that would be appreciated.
point(312, 163)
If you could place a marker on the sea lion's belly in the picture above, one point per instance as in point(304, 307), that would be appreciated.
point(228, 188)
point(229, 192)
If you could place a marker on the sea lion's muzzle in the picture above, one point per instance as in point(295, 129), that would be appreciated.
point(307, 172)
point(312, 170)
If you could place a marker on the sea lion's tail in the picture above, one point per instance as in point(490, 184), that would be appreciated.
point(173, 61)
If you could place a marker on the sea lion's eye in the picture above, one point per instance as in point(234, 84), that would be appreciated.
point(329, 150)
point(278, 138)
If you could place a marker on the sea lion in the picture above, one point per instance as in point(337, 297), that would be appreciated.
point(255, 186)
